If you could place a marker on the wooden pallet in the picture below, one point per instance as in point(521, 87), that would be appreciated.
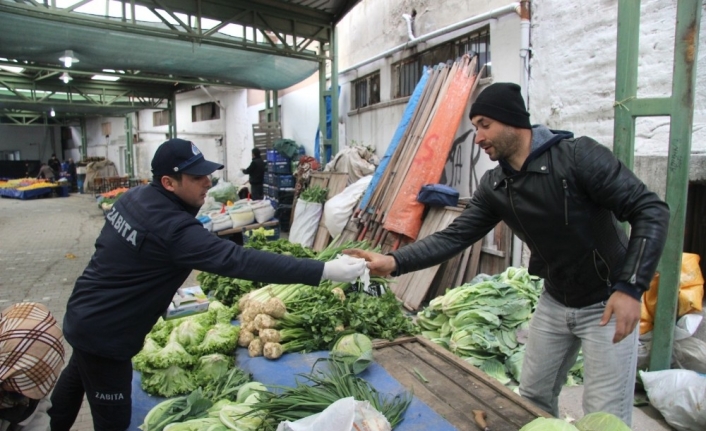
point(264, 135)
point(452, 387)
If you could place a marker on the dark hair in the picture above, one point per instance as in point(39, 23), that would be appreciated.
point(176, 176)
point(256, 152)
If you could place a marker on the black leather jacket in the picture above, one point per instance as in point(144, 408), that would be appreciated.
point(565, 204)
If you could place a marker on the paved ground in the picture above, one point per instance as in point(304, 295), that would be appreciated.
point(46, 243)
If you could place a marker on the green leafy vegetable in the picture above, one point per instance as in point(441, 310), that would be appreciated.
point(211, 367)
point(600, 421)
point(547, 424)
point(168, 382)
point(355, 350)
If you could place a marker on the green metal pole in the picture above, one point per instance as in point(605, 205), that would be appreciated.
point(322, 106)
point(171, 107)
point(334, 93)
point(84, 139)
point(129, 166)
point(268, 107)
point(680, 131)
point(275, 107)
point(626, 80)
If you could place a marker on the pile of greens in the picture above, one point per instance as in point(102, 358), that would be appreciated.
point(321, 388)
point(229, 290)
point(485, 322)
point(181, 355)
point(314, 194)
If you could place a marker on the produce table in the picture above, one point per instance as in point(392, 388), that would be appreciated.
point(33, 193)
point(446, 389)
point(284, 370)
point(241, 229)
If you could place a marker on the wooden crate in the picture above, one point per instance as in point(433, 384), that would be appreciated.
point(453, 388)
point(265, 134)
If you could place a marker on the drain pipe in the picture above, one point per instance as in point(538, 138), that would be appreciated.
point(496, 13)
point(222, 140)
point(410, 23)
point(524, 84)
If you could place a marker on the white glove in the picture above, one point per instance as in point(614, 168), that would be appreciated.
point(344, 268)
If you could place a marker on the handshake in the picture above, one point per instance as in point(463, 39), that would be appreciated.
point(344, 268)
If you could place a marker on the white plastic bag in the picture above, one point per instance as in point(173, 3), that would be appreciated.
point(223, 192)
point(679, 395)
point(263, 210)
point(306, 222)
point(241, 215)
point(339, 208)
point(346, 414)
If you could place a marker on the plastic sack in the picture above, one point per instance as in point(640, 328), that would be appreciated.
point(346, 414)
point(691, 292)
point(354, 161)
point(223, 192)
point(690, 354)
point(221, 222)
point(679, 395)
point(242, 215)
point(339, 208)
point(263, 210)
point(306, 222)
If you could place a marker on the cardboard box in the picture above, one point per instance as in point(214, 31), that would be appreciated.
point(186, 302)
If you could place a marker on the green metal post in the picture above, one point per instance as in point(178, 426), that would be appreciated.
point(275, 106)
point(322, 106)
point(680, 107)
point(129, 165)
point(680, 131)
point(171, 107)
point(84, 139)
point(334, 93)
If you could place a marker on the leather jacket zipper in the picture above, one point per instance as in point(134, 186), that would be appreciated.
point(566, 201)
point(633, 277)
point(519, 221)
point(607, 279)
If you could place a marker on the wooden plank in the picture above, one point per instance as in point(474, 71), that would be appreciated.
point(497, 258)
point(265, 135)
point(453, 388)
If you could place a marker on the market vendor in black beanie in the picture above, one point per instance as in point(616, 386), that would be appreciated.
point(564, 198)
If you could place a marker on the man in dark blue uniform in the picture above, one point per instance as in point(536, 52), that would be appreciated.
point(149, 245)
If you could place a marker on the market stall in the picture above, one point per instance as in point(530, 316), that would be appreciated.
point(29, 188)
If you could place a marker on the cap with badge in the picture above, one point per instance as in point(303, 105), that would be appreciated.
point(181, 156)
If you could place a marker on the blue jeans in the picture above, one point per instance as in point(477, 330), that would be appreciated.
point(556, 335)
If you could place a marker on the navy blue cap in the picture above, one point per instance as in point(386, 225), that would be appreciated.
point(180, 156)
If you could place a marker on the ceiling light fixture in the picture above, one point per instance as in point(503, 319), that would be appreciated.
point(65, 77)
point(52, 113)
point(68, 58)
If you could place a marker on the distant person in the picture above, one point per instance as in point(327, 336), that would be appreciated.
point(55, 165)
point(256, 172)
point(149, 245)
point(31, 358)
point(46, 172)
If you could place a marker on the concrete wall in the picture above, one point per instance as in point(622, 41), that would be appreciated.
point(33, 142)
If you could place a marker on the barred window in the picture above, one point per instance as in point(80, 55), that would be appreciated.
point(160, 118)
point(205, 112)
point(406, 73)
point(366, 91)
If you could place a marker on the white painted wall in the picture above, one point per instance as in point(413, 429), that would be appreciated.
point(572, 86)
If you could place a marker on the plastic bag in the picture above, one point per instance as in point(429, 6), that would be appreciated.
point(679, 395)
point(306, 222)
point(346, 414)
point(223, 192)
point(691, 292)
point(263, 210)
point(339, 208)
point(355, 161)
point(690, 354)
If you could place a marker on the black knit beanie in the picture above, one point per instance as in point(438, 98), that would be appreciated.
point(503, 102)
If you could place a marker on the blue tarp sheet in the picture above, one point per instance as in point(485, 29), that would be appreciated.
point(283, 372)
point(26, 194)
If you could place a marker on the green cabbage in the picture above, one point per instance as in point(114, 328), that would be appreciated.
point(221, 338)
point(168, 382)
point(211, 367)
point(249, 389)
point(600, 421)
point(202, 424)
point(189, 333)
point(140, 362)
point(547, 424)
point(171, 354)
point(355, 350)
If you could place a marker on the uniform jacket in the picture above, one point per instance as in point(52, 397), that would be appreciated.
point(565, 204)
point(146, 249)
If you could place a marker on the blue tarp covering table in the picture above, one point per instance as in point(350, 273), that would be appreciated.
point(25, 194)
point(283, 372)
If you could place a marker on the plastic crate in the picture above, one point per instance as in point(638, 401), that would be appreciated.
point(279, 167)
point(281, 195)
point(283, 181)
point(272, 233)
point(276, 156)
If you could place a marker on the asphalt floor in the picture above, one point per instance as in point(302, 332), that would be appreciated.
point(45, 244)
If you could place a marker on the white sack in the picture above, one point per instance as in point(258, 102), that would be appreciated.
point(306, 222)
point(339, 208)
point(679, 395)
